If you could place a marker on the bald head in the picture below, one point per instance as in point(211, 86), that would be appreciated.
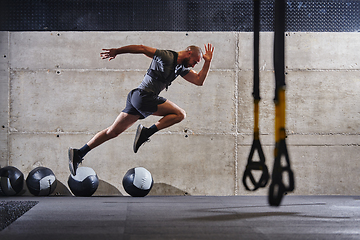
point(196, 51)
point(190, 56)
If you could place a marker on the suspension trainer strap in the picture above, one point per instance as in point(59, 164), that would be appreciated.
point(277, 187)
point(256, 145)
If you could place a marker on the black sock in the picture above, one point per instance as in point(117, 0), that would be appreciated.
point(84, 150)
point(151, 130)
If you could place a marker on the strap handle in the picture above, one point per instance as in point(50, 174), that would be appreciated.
point(277, 187)
point(256, 166)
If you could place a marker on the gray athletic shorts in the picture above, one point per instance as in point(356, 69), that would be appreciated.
point(142, 103)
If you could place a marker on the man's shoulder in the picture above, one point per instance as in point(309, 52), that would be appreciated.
point(165, 53)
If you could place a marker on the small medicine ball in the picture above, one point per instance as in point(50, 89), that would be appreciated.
point(138, 182)
point(11, 181)
point(41, 181)
point(84, 183)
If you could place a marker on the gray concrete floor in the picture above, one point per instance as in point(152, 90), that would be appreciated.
point(186, 217)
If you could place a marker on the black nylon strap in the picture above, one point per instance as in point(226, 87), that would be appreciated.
point(256, 92)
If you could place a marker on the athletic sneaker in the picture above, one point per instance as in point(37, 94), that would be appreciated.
point(74, 160)
point(140, 137)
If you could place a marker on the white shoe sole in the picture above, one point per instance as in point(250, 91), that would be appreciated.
point(137, 136)
point(71, 161)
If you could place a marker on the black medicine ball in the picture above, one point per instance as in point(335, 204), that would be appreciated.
point(11, 181)
point(41, 181)
point(84, 183)
point(138, 182)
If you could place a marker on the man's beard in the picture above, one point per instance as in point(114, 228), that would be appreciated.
point(186, 62)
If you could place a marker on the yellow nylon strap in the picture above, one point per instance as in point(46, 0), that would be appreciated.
point(280, 116)
point(256, 119)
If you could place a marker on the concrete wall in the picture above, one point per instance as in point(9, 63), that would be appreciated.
point(56, 92)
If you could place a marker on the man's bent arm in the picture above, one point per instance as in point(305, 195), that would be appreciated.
point(199, 78)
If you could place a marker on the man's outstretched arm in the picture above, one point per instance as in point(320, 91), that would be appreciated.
point(199, 78)
point(135, 49)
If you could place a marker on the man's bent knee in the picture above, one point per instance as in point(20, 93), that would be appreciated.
point(181, 115)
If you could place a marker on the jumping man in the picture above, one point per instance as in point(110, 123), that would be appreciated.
point(144, 101)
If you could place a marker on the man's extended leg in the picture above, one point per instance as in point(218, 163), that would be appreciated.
point(122, 122)
point(171, 113)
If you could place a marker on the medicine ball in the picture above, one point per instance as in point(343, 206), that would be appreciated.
point(41, 181)
point(138, 182)
point(11, 181)
point(84, 183)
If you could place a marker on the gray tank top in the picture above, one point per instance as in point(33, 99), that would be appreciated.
point(162, 71)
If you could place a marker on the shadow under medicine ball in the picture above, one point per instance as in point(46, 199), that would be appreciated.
point(84, 183)
point(11, 181)
point(41, 181)
point(138, 182)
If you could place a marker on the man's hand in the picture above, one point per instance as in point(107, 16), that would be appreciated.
point(109, 53)
point(209, 50)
